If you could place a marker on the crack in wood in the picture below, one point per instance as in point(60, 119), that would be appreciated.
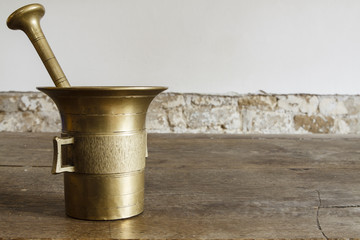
point(22, 166)
point(317, 215)
point(342, 206)
point(110, 230)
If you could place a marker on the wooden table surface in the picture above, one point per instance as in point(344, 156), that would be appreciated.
point(198, 187)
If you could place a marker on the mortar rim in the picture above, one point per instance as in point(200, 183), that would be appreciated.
point(104, 88)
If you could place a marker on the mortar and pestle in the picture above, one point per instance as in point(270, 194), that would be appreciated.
point(103, 143)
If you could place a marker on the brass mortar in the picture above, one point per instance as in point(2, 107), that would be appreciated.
point(102, 149)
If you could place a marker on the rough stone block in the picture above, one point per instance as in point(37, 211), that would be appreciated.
point(177, 120)
point(171, 100)
point(156, 121)
point(225, 119)
point(263, 102)
point(210, 100)
point(352, 104)
point(8, 103)
point(332, 106)
point(299, 103)
point(314, 124)
point(267, 122)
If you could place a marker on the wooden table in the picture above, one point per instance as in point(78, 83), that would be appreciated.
point(198, 187)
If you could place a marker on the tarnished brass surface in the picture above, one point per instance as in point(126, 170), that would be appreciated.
point(27, 19)
point(102, 110)
point(104, 196)
point(102, 149)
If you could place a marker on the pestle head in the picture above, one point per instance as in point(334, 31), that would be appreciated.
point(27, 19)
point(25, 16)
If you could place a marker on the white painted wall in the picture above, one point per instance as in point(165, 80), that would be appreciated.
point(205, 46)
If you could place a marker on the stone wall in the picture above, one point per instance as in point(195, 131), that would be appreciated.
point(196, 113)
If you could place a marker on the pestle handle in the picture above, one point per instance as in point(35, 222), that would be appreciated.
point(27, 19)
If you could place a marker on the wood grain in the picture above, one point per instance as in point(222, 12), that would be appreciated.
point(198, 187)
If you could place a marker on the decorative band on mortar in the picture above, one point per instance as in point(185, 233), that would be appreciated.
point(108, 154)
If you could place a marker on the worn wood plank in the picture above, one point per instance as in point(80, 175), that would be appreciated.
point(35, 149)
point(198, 187)
point(211, 151)
point(26, 149)
point(32, 206)
point(214, 206)
point(343, 221)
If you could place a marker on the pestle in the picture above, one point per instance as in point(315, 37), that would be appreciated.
point(27, 19)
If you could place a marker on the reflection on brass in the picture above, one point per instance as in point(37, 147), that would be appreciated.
point(103, 144)
point(110, 196)
point(102, 149)
point(27, 19)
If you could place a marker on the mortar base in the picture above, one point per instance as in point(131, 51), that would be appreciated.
point(104, 196)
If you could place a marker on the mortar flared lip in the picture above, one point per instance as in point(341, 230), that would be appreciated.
point(104, 88)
